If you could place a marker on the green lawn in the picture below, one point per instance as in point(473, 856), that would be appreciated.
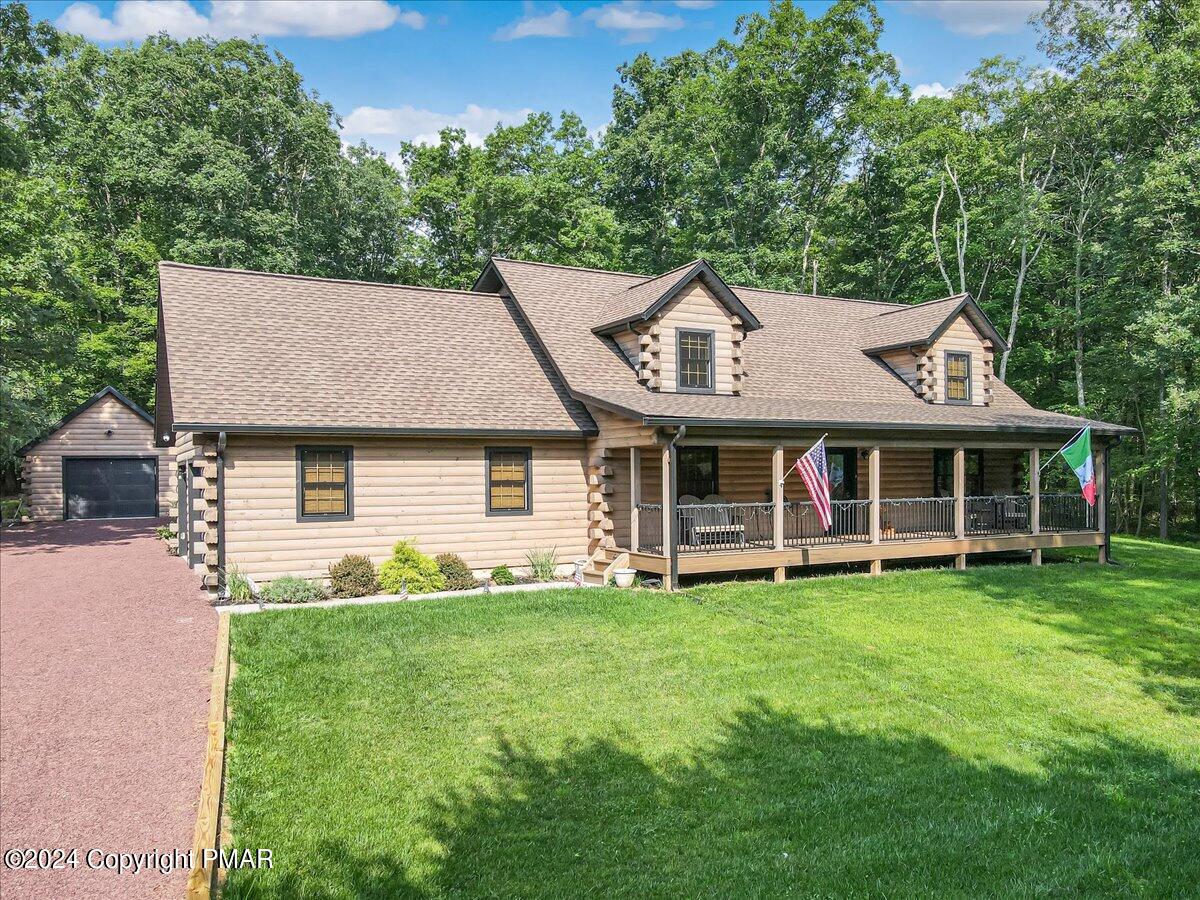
point(1002, 731)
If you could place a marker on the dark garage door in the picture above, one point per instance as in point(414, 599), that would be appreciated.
point(110, 487)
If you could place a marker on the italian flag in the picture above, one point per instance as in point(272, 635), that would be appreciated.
point(1078, 454)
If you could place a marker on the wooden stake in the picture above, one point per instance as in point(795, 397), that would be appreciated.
point(200, 883)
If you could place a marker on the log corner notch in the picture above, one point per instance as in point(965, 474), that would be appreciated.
point(649, 361)
point(210, 450)
point(600, 489)
point(739, 370)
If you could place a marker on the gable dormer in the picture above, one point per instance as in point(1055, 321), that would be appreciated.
point(943, 349)
point(682, 331)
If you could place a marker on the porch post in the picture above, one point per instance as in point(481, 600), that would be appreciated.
point(635, 497)
point(777, 496)
point(670, 550)
point(1035, 500)
point(960, 502)
point(1101, 475)
point(873, 483)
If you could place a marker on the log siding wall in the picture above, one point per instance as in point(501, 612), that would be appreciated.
point(431, 490)
point(696, 308)
point(87, 435)
point(924, 368)
point(961, 337)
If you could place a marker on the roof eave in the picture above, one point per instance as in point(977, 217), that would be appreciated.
point(1099, 428)
point(255, 428)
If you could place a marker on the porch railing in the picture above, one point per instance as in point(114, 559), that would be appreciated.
point(916, 517)
point(1066, 512)
point(1008, 514)
point(650, 539)
point(712, 527)
point(802, 526)
point(708, 527)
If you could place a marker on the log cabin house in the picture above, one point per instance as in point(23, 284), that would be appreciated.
point(625, 420)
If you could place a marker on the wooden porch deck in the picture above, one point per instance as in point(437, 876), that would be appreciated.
point(697, 563)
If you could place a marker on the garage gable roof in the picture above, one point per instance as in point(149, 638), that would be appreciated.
point(87, 404)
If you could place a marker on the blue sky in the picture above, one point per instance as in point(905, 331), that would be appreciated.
point(402, 70)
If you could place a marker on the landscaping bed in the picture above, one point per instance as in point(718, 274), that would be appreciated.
point(1004, 730)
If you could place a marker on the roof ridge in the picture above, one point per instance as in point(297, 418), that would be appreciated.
point(351, 281)
point(534, 262)
point(646, 278)
point(904, 306)
point(675, 271)
point(744, 287)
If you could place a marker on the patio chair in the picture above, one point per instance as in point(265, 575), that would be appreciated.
point(720, 522)
point(687, 521)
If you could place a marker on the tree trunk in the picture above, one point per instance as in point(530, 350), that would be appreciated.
point(1164, 503)
point(1141, 508)
point(1079, 323)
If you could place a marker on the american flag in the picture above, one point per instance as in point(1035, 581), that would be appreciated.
point(813, 469)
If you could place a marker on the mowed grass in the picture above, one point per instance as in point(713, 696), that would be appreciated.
point(1003, 731)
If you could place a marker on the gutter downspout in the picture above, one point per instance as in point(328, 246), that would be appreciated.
point(222, 439)
point(673, 520)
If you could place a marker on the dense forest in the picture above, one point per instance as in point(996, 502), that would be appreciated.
point(1066, 199)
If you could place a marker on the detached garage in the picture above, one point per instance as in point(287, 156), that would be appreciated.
point(99, 462)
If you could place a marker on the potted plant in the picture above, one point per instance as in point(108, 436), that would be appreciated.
point(624, 577)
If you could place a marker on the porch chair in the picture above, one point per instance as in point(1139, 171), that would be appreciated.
point(687, 521)
point(719, 522)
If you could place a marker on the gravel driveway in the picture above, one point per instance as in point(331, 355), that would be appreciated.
point(106, 646)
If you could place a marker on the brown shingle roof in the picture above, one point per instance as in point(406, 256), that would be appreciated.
point(921, 323)
point(663, 408)
point(289, 352)
point(640, 300)
point(805, 364)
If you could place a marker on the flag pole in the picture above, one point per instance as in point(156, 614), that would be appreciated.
point(1067, 444)
point(792, 469)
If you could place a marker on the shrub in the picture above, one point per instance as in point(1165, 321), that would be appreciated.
point(542, 563)
point(292, 589)
point(457, 573)
point(237, 585)
point(353, 576)
point(503, 575)
point(166, 532)
point(410, 566)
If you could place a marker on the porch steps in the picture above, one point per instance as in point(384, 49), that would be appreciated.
point(602, 563)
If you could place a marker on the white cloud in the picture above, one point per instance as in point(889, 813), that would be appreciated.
point(634, 23)
point(387, 128)
point(695, 4)
point(978, 18)
point(555, 23)
point(931, 90)
point(133, 20)
point(410, 18)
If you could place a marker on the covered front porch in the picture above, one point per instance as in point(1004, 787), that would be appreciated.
point(899, 498)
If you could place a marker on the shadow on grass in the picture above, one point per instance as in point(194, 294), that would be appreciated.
point(1143, 613)
point(779, 808)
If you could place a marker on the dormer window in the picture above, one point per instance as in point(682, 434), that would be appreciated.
point(696, 361)
point(958, 377)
